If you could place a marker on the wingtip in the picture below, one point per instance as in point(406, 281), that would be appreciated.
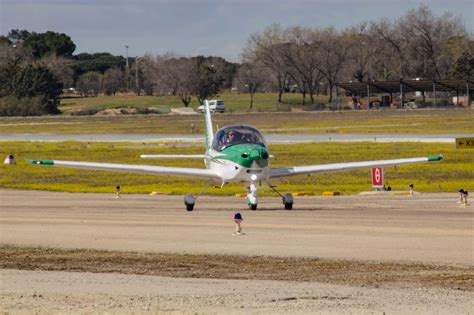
point(435, 158)
point(40, 162)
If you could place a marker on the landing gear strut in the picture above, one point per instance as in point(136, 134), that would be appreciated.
point(190, 200)
point(252, 193)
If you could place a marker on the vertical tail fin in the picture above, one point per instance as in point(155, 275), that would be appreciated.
point(208, 122)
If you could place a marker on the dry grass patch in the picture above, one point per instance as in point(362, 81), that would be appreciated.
point(358, 273)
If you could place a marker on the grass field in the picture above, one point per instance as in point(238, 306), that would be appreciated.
point(234, 102)
point(456, 171)
point(372, 121)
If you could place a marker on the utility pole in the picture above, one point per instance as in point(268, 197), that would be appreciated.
point(127, 70)
point(136, 77)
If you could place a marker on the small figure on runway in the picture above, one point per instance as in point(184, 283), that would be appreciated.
point(117, 189)
point(238, 219)
point(411, 189)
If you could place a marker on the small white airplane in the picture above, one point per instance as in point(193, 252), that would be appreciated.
point(236, 153)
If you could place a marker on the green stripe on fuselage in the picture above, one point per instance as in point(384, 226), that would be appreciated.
point(245, 154)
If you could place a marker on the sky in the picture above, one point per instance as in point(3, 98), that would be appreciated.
point(198, 27)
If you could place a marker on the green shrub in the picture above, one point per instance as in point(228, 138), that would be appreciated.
point(26, 106)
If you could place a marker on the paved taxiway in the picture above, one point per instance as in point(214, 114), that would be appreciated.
point(430, 228)
point(271, 138)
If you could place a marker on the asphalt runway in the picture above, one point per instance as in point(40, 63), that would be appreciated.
point(427, 228)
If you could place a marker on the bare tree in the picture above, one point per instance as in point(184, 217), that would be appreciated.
point(390, 34)
point(295, 50)
point(302, 54)
point(309, 61)
point(434, 42)
point(90, 83)
point(360, 51)
point(332, 56)
point(266, 48)
point(178, 76)
point(384, 63)
point(209, 77)
point(60, 67)
point(114, 80)
point(149, 73)
point(250, 78)
point(187, 76)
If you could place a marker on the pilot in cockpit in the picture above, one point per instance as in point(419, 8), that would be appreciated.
point(229, 138)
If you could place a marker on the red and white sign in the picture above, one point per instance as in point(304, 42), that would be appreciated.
point(377, 177)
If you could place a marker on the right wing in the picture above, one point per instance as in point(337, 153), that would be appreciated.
point(133, 168)
point(310, 169)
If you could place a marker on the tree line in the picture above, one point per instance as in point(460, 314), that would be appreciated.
point(36, 67)
point(417, 45)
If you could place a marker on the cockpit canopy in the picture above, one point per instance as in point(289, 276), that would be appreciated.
point(232, 135)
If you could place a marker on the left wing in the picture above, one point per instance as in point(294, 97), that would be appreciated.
point(298, 170)
point(133, 168)
point(173, 156)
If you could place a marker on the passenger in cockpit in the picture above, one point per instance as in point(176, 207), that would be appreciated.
point(249, 138)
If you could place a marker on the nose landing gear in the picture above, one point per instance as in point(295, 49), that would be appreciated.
point(252, 196)
point(252, 193)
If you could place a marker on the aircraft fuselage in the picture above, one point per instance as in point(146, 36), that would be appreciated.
point(240, 163)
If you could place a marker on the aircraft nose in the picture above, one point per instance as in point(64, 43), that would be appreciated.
point(260, 154)
point(255, 155)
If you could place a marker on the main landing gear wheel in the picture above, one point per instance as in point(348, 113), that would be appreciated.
point(288, 201)
point(253, 207)
point(189, 201)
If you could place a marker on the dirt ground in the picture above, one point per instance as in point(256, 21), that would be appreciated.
point(390, 253)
